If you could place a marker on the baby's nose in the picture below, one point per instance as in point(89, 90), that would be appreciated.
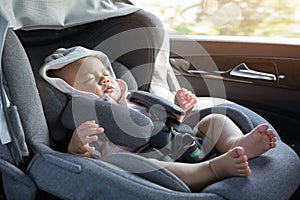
point(104, 81)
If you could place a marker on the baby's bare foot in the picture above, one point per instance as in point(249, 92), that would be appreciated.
point(257, 141)
point(232, 163)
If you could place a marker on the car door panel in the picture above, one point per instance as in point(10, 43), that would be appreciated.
point(264, 77)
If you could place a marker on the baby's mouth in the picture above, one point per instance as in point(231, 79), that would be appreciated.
point(109, 89)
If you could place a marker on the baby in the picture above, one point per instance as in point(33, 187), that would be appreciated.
point(82, 72)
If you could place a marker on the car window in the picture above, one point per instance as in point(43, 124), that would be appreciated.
point(268, 18)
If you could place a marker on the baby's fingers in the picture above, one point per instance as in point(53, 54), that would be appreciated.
point(88, 124)
point(89, 128)
point(89, 149)
point(90, 131)
point(87, 140)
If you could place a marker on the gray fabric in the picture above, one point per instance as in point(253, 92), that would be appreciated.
point(122, 126)
point(54, 103)
point(5, 153)
point(86, 178)
point(23, 186)
point(123, 73)
point(147, 170)
point(10, 155)
point(23, 91)
point(18, 130)
point(58, 14)
point(11, 175)
point(275, 175)
point(158, 106)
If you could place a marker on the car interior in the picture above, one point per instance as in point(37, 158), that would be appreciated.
point(41, 168)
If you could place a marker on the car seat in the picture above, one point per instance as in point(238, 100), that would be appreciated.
point(275, 174)
point(61, 168)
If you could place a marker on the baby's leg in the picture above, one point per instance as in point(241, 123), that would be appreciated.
point(199, 175)
point(224, 134)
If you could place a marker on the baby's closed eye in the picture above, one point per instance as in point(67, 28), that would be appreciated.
point(88, 78)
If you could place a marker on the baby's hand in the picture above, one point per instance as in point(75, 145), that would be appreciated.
point(185, 99)
point(82, 136)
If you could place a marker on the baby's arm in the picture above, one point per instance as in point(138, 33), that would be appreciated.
point(82, 136)
point(185, 99)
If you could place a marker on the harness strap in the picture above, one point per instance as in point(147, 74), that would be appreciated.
point(170, 137)
point(158, 107)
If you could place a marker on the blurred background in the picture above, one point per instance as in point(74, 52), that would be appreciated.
point(268, 18)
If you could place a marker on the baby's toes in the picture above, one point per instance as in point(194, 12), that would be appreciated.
point(237, 152)
point(261, 128)
point(241, 160)
point(245, 172)
point(272, 145)
point(273, 140)
point(271, 134)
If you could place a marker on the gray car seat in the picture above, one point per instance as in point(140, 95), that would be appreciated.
point(13, 148)
point(62, 175)
point(275, 175)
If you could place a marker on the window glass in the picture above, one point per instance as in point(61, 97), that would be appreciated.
point(271, 18)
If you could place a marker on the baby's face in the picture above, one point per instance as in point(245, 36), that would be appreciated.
point(93, 77)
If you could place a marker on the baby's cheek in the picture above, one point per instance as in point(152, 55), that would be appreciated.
point(98, 92)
